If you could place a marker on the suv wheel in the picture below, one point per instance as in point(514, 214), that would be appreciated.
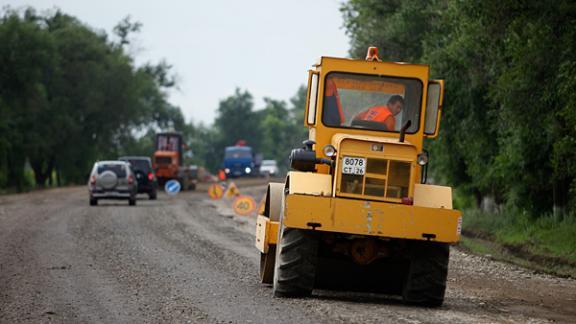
point(93, 201)
point(132, 201)
point(153, 194)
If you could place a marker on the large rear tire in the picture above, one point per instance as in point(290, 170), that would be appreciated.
point(426, 282)
point(296, 262)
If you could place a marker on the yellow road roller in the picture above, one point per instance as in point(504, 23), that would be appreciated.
point(356, 212)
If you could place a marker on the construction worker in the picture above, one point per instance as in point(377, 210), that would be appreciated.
point(383, 114)
point(221, 175)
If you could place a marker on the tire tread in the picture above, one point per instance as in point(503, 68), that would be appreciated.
point(426, 282)
point(296, 261)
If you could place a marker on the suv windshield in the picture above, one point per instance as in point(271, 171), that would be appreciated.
point(118, 169)
point(371, 102)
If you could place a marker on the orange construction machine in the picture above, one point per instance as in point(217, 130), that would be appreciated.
point(168, 161)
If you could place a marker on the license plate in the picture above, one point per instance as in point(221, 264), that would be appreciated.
point(353, 165)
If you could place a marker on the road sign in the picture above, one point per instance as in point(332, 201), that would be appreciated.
point(172, 187)
point(232, 191)
point(244, 205)
point(216, 191)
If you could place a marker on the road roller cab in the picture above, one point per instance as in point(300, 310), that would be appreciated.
point(357, 197)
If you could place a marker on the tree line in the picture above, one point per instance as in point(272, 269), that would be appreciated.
point(509, 125)
point(70, 95)
point(272, 130)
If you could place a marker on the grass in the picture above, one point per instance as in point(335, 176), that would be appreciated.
point(544, 243)
point(28, 183)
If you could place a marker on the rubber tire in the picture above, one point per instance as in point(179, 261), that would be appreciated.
point(428, 272)
point(296, 263)
point(132, 201)
point(153, 195)
point(93, 201)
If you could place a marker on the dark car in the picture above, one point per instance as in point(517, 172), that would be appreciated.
point(145, 176)
point(112, 180)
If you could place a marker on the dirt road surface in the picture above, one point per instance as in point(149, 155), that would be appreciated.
point(181, 260)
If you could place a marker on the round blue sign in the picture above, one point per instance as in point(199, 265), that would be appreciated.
point(172, 187)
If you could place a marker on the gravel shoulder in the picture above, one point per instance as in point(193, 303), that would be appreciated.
point(189, 260)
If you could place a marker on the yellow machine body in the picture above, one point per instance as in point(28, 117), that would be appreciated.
point(389, 201)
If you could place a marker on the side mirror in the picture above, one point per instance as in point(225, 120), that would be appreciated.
point(312, 98)
point(433, 108)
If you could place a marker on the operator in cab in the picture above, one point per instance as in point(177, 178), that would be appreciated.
point(383, 114)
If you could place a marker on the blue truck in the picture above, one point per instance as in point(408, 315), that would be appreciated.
point(240, 161)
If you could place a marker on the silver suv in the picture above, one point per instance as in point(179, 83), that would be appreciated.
point(112, 180)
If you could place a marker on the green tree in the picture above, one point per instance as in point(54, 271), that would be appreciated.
point(508, 125)
point(297, 110)
point(235, 120)
point(277, 131)
point(69, 96)
point(26, 61)
point(395, 27)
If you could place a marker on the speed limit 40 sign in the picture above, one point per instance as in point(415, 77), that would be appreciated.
point(244, 205)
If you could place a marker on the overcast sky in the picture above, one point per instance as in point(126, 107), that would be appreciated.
point(263, 46)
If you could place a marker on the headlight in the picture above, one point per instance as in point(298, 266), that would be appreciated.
point(248, 170)
point(422, 158)
point(329, 150)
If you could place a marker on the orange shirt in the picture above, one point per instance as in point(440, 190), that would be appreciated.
point(379, 114)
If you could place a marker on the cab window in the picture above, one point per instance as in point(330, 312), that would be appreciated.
point(371, 102)
point(238, 153)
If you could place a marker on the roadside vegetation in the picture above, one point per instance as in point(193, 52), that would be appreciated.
point(508, 135)
point(543, 243)
point(71, 94)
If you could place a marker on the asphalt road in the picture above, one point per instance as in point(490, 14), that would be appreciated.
point(181, 260)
